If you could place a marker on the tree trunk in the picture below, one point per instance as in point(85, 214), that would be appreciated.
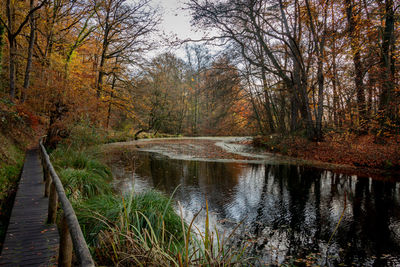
point(320, 77)
point(294, 110)
point(387, 97)
point(13, 47)
point(1, 46)
point(256, 113)
point(355, 48)
point(30, 52)
point(104, 49)
point(319, 47)
point(12, 53)
point(111, 96)
point(101, 75)
point(334, 72)
point(335, 90)
point(267, 104)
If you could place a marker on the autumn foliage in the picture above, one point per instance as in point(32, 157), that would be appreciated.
point(339, 149)
point(283, 67)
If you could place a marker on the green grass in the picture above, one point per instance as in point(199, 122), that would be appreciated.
point(63, 158)
point(209, 247)
point(82, 175)
point(9, 175)
point(144, 230)
point(83, 183)
point(99, 212)
point(141, 228)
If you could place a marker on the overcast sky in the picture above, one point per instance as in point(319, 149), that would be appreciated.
point(176, 23)
point(175, 19)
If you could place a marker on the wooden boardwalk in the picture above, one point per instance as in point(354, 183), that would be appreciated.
point(29, 240)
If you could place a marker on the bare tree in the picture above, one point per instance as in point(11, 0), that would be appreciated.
point(273, 38)
point(123, 28)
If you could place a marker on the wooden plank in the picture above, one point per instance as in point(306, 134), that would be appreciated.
point(29, 240)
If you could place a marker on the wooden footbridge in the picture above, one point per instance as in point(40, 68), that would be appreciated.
point(37, 235)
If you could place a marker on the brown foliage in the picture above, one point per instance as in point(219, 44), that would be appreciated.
point(346, 149)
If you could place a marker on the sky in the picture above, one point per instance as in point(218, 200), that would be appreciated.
point(176, 23)
point(175, 19)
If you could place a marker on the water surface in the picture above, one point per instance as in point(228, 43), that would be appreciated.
point(287, 212)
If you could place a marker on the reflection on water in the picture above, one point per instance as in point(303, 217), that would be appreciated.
point(286, 211)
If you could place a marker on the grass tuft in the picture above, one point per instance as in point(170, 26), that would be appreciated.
point(139, 229)
point(83, 183)
point(82, 175)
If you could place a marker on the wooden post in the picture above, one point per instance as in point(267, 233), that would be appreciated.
point(65, 252)
point(45, 171)
point(49, 181)
point(53, 199)
point(41, 161)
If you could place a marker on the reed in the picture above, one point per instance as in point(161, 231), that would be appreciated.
point(130, 230)
point(140, 231)
point(206, 247)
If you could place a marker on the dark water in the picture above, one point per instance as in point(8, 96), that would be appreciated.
point(287, 212)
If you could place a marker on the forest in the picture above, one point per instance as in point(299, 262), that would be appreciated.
point(282, 67)
point(307, 82)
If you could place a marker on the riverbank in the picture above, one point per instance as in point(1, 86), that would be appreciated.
point(346, 152)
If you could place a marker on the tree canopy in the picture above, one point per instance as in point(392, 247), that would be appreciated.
point(305, 66)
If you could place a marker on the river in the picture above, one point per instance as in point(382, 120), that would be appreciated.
point(287, 211)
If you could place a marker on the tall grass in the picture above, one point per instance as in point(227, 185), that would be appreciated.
point(206, 247)
point(83, 183)
point(140, 228)
point(144, 230)
point(82, 175)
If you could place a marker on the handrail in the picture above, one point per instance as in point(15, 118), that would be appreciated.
point(71, 231)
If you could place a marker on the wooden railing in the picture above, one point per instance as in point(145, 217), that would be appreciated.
point(71, 237)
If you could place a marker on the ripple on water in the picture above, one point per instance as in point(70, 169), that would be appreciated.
point(287, 211)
